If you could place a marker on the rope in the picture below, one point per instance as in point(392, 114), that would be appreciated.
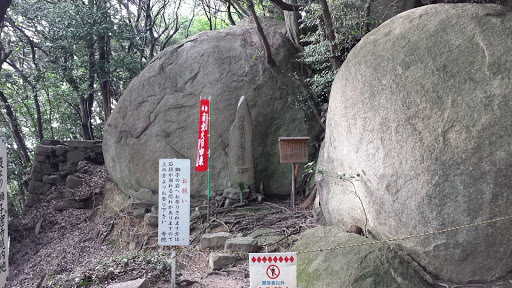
point(196, 249)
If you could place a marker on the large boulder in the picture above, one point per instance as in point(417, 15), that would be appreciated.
point(422, 108)
point(374, 265)
point(157, 116)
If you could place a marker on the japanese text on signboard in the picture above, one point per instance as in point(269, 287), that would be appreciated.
point(202, 136)
point(174, 202)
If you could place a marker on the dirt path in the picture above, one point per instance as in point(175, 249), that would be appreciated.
point(73, 250)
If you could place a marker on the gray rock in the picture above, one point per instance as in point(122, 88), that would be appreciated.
point(60, 150)
point(114, 200)
point(37, 229)
point(75, 156)
point(73, 182)
point(51, 179)
point(39, 188)
point(67, 193)
point(151, 219)
point(141, 204)
point(138, 283)
point(97, 148)
point(430, 133)
point(82, 167)
point(31, 200)
point(241, 165)
point(154, 209)
point(67, 168)
point(157, 116)
point(51, 142)
point(41, 158)
point(45, 150)
point(139, 213)
point(214, 241)
point(364, 266)
point(242, 244)
point(146, 195)
point(39, 169)
point(82, 144)
point(234, 193)
point(219, 261)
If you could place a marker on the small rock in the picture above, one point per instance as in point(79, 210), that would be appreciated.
point(38, 188)
point(67, 193)
point(242, 244)
point(38, 226)
point(154, 209)
point(219, 261)
point(138, 283)
point(139, 213)
point(259, 197)
point(151, 219)
point(214, 241)
point(51, 179)
point(234, 193)
point(73, 182)
point(82, 167)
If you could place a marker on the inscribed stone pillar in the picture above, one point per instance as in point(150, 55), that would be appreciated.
point(241, 166)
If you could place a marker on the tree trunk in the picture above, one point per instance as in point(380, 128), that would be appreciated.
point(268, 53)
point(291, 19)
point(87, 102)
point(16, 131)
point(329, 32)
point(4, 5)
point(35, 97)
point(104, 73)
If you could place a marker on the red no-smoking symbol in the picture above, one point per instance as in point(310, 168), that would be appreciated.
point(273, 271)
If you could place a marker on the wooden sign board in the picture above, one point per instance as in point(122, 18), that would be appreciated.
point(293, 149)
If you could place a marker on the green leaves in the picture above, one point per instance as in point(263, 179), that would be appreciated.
point(349, 24)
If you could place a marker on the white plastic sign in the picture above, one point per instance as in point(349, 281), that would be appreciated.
point(174, 202)
point(273, 270)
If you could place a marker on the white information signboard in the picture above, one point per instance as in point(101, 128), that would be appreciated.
point(273, 270)
point(4, 237)
point(174, 202)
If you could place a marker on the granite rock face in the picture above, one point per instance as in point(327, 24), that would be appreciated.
point(422, 108)
point(157, 115)
point(362, 266)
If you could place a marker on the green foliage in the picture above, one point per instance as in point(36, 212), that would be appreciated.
point(349, 24)
point(241, 185)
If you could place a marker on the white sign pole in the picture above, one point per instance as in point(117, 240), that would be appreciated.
point(4, 253)
point(173, 266)
point(174, 206)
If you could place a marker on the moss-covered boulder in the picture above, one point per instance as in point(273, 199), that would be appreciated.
point(363, 266)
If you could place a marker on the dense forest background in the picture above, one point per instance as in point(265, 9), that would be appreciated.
point(65, 63)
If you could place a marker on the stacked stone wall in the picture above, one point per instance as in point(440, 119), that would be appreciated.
point(55, 160)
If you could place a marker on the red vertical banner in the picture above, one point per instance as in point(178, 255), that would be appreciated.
point(202, 136)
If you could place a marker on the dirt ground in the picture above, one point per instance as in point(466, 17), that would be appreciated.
point(70, 248)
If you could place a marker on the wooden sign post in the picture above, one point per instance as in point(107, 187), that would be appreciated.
point(293, 150)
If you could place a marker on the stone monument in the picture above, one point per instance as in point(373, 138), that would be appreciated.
point(241, 166)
